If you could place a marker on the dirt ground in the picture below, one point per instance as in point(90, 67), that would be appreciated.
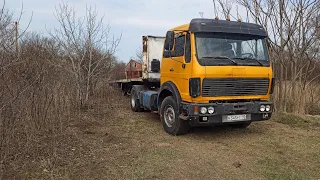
point(115, 143)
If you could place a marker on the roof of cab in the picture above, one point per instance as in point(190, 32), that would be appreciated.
point(223, 26)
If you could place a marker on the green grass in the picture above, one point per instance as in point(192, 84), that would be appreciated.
point(278, 169)
point(134, 146)
point(288, 118)
point(153, 163)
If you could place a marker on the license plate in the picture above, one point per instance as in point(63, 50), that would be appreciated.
point(233, 118)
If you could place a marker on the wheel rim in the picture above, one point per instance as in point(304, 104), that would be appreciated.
point(133, 101)
point(169, 116)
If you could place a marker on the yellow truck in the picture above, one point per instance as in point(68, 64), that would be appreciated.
point(205, 73)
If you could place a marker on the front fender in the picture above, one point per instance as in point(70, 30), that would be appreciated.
point(169, 87)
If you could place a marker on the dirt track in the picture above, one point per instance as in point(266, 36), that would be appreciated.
point(129, 145)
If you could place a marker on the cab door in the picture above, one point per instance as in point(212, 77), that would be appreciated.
point(180, 71)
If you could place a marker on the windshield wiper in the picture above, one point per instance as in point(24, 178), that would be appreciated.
point(247, 58)
point(221, 57)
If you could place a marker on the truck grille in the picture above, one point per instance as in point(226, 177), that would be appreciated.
point(234, 86)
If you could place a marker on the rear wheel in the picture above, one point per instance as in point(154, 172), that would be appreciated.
point(240, 125)
point(134, 101)
point(171, 122)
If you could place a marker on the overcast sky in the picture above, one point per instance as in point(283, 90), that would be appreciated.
point(132, 18)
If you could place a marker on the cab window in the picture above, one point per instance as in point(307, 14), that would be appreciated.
point(187, 56)
point(179, 45)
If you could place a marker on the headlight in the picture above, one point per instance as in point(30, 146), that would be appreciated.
point(268, 108)
point(210, 110)
point(203, 110)
point(262, 108)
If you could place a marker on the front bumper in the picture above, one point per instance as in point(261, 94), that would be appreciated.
point(250, 109)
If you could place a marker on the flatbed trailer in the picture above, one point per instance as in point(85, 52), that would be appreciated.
point(152, 55)
point(126, 84)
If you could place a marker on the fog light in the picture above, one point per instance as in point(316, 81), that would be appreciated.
point(204, 118)
point(210, 110)
point(203, 110)
point(262, 108)
point(268, 108)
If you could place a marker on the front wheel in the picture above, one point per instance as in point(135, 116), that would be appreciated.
point(171, 122)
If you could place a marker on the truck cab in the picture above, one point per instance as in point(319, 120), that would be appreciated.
point(212, 72)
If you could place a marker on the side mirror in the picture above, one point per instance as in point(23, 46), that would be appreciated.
point(168, 45)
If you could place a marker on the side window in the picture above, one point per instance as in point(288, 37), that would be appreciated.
point(188, 49)
point(179, 45)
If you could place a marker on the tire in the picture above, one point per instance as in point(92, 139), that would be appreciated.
point(170, 120)
point(134, 101)
point(240, 125)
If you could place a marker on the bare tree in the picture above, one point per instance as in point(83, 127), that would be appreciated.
point(26, 91)
point(226, 6)
point(293, 29)
point(293, 36)
point(87, 48)
point(139, 54)
point(41, 80)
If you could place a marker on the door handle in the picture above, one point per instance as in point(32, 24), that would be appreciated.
point(171, 69)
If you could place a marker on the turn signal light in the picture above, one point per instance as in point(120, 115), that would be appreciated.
point(195, 110)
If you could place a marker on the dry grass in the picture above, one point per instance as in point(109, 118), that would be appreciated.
point(297, 120)
point(298, 100)
point(111, 142)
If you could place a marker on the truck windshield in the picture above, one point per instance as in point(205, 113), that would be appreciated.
point(231, 49)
